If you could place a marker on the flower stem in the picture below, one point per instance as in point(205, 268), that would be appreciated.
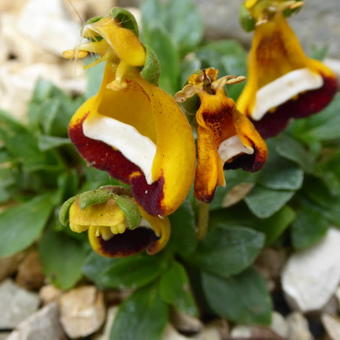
point(203, 220)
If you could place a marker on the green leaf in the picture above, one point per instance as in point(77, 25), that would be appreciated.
point(134, 271)
point(243, 298)
point(50, 142)
point(265, 202)
point(227, 250)
point(94, 268)
point(22, 145)
point(62, 258)
point(280, 173)
point(309, 227)
point(293, 150)
point(22, 224)
point(142, 316)
point(168, 58)
point(320, 127)
point(183, 234)
point(175, 289)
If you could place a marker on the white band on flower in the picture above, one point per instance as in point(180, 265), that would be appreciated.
point(232, 147)
point(284, 88)
point(138, 149)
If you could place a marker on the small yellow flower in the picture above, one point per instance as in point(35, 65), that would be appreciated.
point(283, 83)
point(131, 128)
point(226, 137)
point(108, 231)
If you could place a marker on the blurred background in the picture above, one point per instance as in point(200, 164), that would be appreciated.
point(33, 33)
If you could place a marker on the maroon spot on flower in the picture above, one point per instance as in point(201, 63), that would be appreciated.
point(129, 243)
point(306, 104)
point(104, 157)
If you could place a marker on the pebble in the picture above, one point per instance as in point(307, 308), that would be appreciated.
point(298, 327)
point(9, 265)
point(42, 325)
point(186, 323)
point(311, 276)
point(332, 326)
point(16, 304)
point(105, 334)
point(82, 311)
point(30, 273)
point(49, 293)
point(279, 325)
point(254, 332)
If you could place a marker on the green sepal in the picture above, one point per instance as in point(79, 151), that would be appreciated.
point(93, 197)
point(151, 68)
point(288, 12)
point(63, 212)
point(130, 210)
point(93, 19)
point(247, 22)
point(125, 19)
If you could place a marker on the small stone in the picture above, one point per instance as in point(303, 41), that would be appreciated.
point(331, 307)
point(332, 325)
point(82, 311)
point(30, 273)
point(298, 327)
point(338, 296)
point(209, 333)
point(9, 265)
point(186, 323)
point(49, 24)
point(105, 334)
point(279, 325)
point(16, 304)
point(254, 332)
point(4, 335)
point(43, 324)
point(49, 294)
point(171, 333)
point(236, 194)
point(311, 276)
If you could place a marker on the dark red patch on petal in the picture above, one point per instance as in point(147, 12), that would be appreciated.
point(306, 104)
point(252, 163)
point(104, 157)
point(149, 196)
point(128, 243)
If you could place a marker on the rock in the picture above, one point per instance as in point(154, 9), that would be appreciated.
point(170, 333)
point(209, 333)
point(222, 326)
point(49, 24)
point(9, 265)
point(82, 311)
point(279, 325)
point(16, 304)
point(105, 334)
point(4, 335)
point(298, 327)
point(331, 307)
point(311, 276)
point(17, 82)
point(236, 194)
point(332, 325)
point(43, 324)
point(49, 294)
point(30, 273)
point(254, 332)
point(338, 296)
point(186, 323)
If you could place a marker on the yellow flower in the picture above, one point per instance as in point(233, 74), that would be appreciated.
point(109, 234)
point(226, 137)
point(131, 128)
point(283, 83)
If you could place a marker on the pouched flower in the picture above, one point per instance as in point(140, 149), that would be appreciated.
point(226, 137)
point(116, 225)
point(131, 128)
point(283, 83)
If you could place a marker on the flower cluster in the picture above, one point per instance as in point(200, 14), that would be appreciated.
point(137, 133)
